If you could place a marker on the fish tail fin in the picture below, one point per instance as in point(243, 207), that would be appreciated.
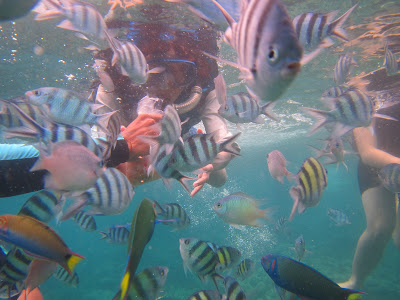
point(352, 294)
point(158, 210)
point(125, 285)
point(104, 234)
point(228, 146)
point(336, 29)
point(294, 193)
point(322, 117)
point(72, 261)
point(184, 180)
point(103, 119)
point(267, 110)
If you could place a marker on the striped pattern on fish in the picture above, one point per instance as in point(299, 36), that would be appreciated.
point(116, 234)
point(343, 68)
point(313, 29)
point(67, 279)
point(199, 150)
point(85, 222)
point(267, 47)
point(390, 61)
point(233, 289)
point(9, 119)
point(205, 295)
point(311, 183)
point(245, 269)
point(172, 214)
point(148, 283)
point(42, 206)
point(334, 91)
point(111, 195)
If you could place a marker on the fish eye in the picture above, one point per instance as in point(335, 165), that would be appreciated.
point(219, 205)
point(36, 93)
point(337, 145)
point(186, 242)
point(272, 54)
point(162, 273)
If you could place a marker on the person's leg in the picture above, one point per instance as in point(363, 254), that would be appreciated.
point(379, 206)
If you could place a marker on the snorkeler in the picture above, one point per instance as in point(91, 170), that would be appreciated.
point(187, 74)
point(376, 151)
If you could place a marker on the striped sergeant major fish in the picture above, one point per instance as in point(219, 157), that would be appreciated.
point(338, 217)
point(111, 195)
point(199, 258)
point(206, 295)
point(9, 119)
point(268, 50)
point(67, 107)
point(311, 182)
point(352, 109)
point(335, 91)
point(117, 234)
point(242, 108)
point(343, 68)
point(280, 224)
point(81, 17)
point(390, 61)
point(50, 132)
point(199, 150)
point(314, 29)
point(171, 214)
point(161, 164)
point(147, 284)
point(390, 177)
point(233, 290)
point(245, 269)
point(85, 222)
point(227, 258)
point(41, 206)
point(63, 276)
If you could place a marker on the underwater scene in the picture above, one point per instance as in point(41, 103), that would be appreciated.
point(199, 149)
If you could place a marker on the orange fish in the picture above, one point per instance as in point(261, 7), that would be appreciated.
point(38, 240)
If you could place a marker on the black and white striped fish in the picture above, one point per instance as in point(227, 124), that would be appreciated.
point(171, 214)
point(199, 258)
point(343, 68)
point(242, 108)
point(132, 61)
point(50, 133)
point(65, 278)
point(280, 224)
point(9, 119)
point(111, 195)
point(390, 61)
point(352, 109)
point(81, 17)
point(148, 283)
point(162, 165)
point(227, 258)
point(268, 50)
point(42, 206)
point(66, 107)
point(117, 234)
point(334, 91)
point(233, 289)
point(313, 29)
point(245, 269)
point(9, 290)
point(85, 222)
point(199, 150)
point(206, 295)
point(311, 182)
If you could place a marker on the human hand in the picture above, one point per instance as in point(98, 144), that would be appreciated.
point(143, 125)
point(202, 179)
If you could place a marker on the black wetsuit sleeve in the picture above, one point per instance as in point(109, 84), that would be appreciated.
point(15, 178)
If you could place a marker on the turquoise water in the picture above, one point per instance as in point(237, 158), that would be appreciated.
point(331, 247)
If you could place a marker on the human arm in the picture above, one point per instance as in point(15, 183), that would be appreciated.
point(367, 148)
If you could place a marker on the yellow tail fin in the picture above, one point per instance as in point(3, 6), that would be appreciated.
point(72, 261)
point(354, 296)
point(125, 284)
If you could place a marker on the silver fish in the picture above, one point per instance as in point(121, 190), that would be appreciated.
point(300, 247)
point(242, 108)
point(280, 224)
point(111, 195)
point(116, 234)
point(85, 222)
point(233, 289)
point(313, 29)
point(198, 151)
point(172, 214)
point(267, 47)
point(311, 183)
point(148, 283)
point(338, 217)
point(67, 279)
point(245, 269)
point(343, 68)
point(42, 206)
point(227, 258)
point(390, 61)
point(65, 106)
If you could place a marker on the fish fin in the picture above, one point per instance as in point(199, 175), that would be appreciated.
point(72, 260)
point(47, 14)
point(295, 194)
point(246, 73)
point(326, 43)
point(103, 119)
point(200, 14)
point(125, 284)
point(344, 164)
point(67, 24)
point(184, 182)
point(266, 109)
point(104, 234)
point(335, 28)
point(381, 116)
point(301, 208)
point(352, 294)
point(227, 145)
point(280, 179)
point(158, 210)
point(340, 129)
point(74, 208)
point(322, 117)
point(38, 164)
point(156, 70)
point(227, 16)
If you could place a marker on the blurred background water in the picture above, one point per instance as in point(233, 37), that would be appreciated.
point(64, 63)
